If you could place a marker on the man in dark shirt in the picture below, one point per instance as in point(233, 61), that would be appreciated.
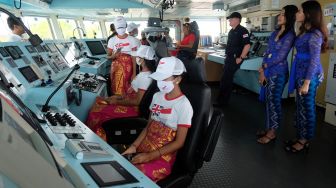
point(238, 45)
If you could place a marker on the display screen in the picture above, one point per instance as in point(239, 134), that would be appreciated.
point(61, 46)
point(154, 22)
point(52, 48)
point(108, 173)
point(96, 47)
point(39, 60)
point(68, 51)
point(18, 50)
point(262, 50)
point(28, 73)
point(31, 49)
point(46, 49)
point(3, 52)
point(39, 48)
point(12, 52)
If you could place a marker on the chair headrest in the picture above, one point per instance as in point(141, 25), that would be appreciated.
point(195, 71)
point(194, 26)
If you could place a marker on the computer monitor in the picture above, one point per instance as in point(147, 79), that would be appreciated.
point(108, 173)
point(68, 51)
point(31, 49)
point(262, 50)
point(28, 73)
point(52, 48)
point(154, 22)
point(13, 53)
point(96, 47)
point(3, 52)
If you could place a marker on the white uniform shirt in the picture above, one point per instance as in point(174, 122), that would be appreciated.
point(171, 112)
point(141, 81)
point(128, 45)
point(14, 38)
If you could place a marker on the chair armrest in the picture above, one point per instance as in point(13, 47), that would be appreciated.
point(212, 134)
point(176, 180)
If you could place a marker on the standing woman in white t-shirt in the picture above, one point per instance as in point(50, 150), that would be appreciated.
point(119, 106)
point(165, 133)
point(120, 50)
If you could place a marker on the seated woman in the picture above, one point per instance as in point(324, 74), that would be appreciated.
point(118, 106)
point(166, 131)
point(186, 44)
point(120, 50)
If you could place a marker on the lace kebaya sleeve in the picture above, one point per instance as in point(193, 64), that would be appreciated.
point(315, 43)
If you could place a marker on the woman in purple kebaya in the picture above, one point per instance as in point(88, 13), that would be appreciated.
point(273, 74)
point(307, 73)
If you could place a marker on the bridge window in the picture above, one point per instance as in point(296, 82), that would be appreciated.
point(40, 26)
point(213, 32)
point(67, 27)
point(92, 29)
point(107, 25)
point(4, 31)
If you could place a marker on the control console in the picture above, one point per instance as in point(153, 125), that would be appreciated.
point(61, 123)
point(87, 82)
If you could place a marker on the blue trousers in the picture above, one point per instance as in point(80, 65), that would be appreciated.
point(306, 110)
point(273, 91)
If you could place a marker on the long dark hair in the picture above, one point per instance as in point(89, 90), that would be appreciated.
point(290, 11)
point(150, 64)
point(314, 17)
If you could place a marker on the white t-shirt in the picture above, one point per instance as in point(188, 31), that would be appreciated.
point(14, 38)
point(141, 81)
point(128, 45)
point(171, 112)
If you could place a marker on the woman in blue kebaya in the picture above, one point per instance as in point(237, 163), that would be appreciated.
point(274, 71)
point(307, 73)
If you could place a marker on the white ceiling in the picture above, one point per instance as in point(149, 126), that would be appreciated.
point(182, 8)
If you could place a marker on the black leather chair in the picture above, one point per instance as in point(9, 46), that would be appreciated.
point(203, 135)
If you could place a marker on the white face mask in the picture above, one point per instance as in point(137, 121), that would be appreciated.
point(165, 86)
point(121, 31)
point(138, 60)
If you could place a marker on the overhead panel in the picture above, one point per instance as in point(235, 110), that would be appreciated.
point(93, 4)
